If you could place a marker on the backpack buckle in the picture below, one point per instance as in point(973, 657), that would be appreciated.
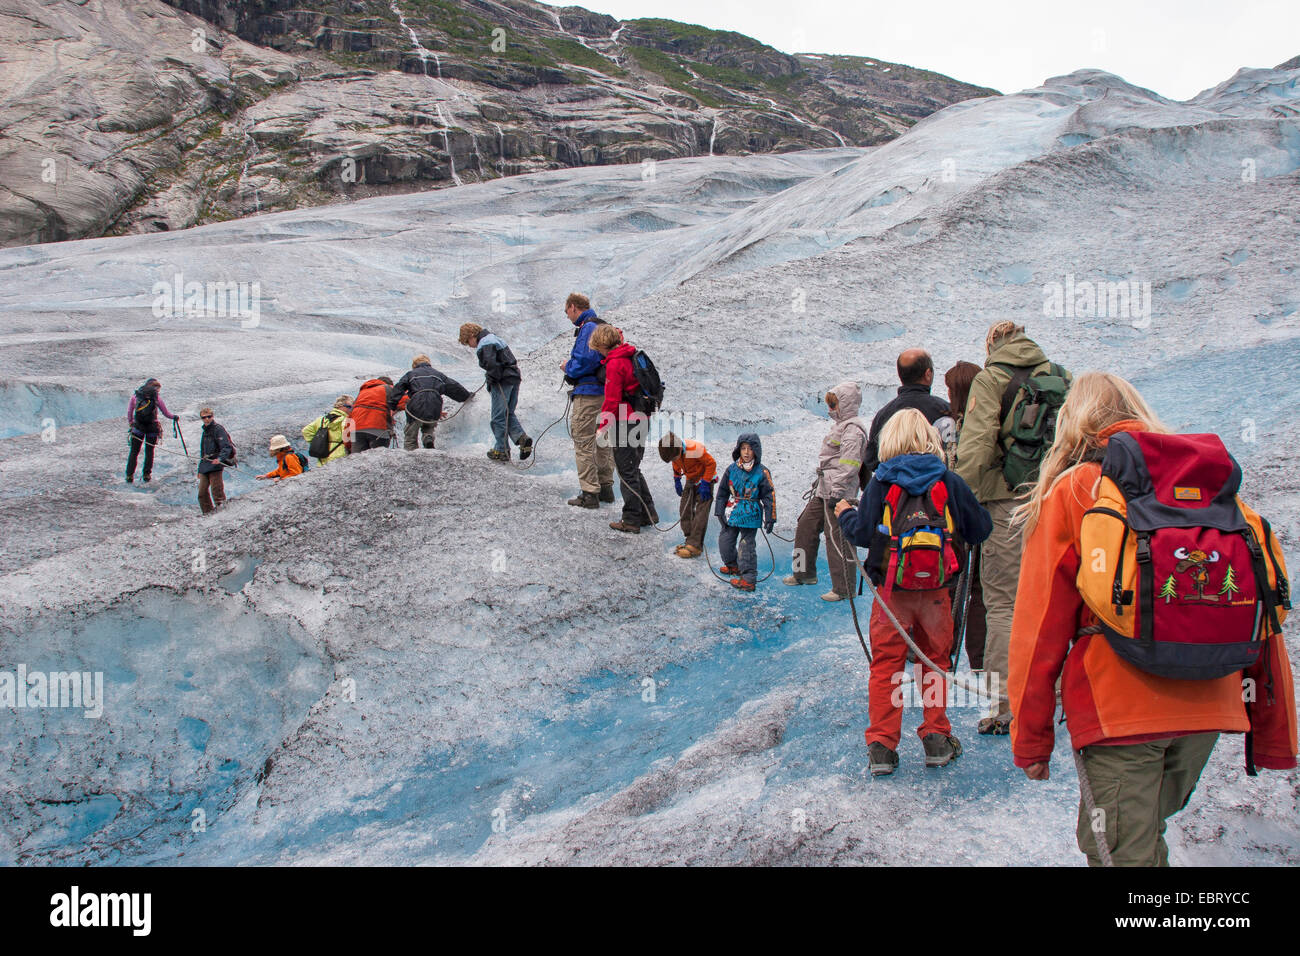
point(1144, 549)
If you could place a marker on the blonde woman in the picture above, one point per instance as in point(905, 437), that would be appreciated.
point(907, 517)
point(1144, 739)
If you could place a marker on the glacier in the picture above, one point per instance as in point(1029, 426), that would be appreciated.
point(426, 657)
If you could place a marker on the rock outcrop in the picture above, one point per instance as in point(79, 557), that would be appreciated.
point(144, 115)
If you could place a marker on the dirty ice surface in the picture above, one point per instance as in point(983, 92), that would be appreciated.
point(428, 658)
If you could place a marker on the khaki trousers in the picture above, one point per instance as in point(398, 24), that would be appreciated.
point(1136, 789)
point(595, 464)
point(999, 577)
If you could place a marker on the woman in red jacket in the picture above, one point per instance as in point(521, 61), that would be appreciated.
point(623, 428)
point(1143, 739)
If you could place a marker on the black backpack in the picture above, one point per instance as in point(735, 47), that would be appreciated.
point(650, 391)
point(146, 410)
point(322, 444)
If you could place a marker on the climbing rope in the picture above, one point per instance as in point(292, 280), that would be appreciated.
point(770, 553)
point(157, 447)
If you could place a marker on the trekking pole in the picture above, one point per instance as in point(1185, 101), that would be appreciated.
point(964, 587)
point(176, 427)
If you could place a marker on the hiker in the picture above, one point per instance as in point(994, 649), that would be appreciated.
point(143, 427)
point(749, 485)
point(501, 373)
point(916, 373)
point(622, 428)
point(420, 392)
point(983, 463)
point(371, 420)
point(1143, 738)
point(595, 462)
point(289, 462)
point(958, 379)
point(838, 476)
point(694, 472)
point(216, 453)
point(912, 507)
point(328, 438)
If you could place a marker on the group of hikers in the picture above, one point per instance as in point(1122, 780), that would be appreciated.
point(1083, 548)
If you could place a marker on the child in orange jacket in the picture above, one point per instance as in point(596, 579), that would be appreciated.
point(694, 472)
point(288, 466)
point(1143, 739)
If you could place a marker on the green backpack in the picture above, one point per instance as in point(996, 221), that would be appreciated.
point(1030, 405)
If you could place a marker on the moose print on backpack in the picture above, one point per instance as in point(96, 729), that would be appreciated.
point(1186, 581)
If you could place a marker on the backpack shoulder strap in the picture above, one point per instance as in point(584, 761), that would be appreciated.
point(1018, 378)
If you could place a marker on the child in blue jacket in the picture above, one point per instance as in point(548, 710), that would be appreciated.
point(749, 485)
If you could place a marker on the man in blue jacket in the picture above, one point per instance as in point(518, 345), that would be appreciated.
point(595, 464)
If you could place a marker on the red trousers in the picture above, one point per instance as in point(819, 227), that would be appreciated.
point(927, 616)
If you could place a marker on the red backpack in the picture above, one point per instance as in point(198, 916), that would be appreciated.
point(913, 546)
point(1186, 580)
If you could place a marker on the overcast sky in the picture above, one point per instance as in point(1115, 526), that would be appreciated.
point(1175, 47)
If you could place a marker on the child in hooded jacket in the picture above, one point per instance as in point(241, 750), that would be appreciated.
point(749, 485)
point(694, 472)
point(911, 457)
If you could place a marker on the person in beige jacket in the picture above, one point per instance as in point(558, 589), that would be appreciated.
point(980, 452)
point(837, 478)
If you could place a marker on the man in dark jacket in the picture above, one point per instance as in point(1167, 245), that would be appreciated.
point(595, 462)
point(423, 387)
point(501, 374)
point(916, 372)
point(216, 451)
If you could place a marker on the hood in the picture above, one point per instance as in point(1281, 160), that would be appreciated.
point(146, 390)
point(849, 399)
point(915, 473)
point(372, 383)
point(1018, 350)
point(752, 439)
point(621, 351)
point(586, 317)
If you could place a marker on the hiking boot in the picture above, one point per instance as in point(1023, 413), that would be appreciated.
point(688, 551)
point(998, 726)
point(625, 527)
point(497, 455)
point(130, 479)
point(525, 448)
point(146, 478)
point(607, 494)
point(794, 580)
point(834, 596)
point(585, 499)
point(940, 749)
point(428, 443)
point(740, 584)
point(881, 761)
point(728, 569)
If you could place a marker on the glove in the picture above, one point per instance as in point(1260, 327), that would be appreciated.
point(677, 483)
point(768, 526)
point(706, 491)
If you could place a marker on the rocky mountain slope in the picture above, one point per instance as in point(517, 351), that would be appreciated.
point(143, 115)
